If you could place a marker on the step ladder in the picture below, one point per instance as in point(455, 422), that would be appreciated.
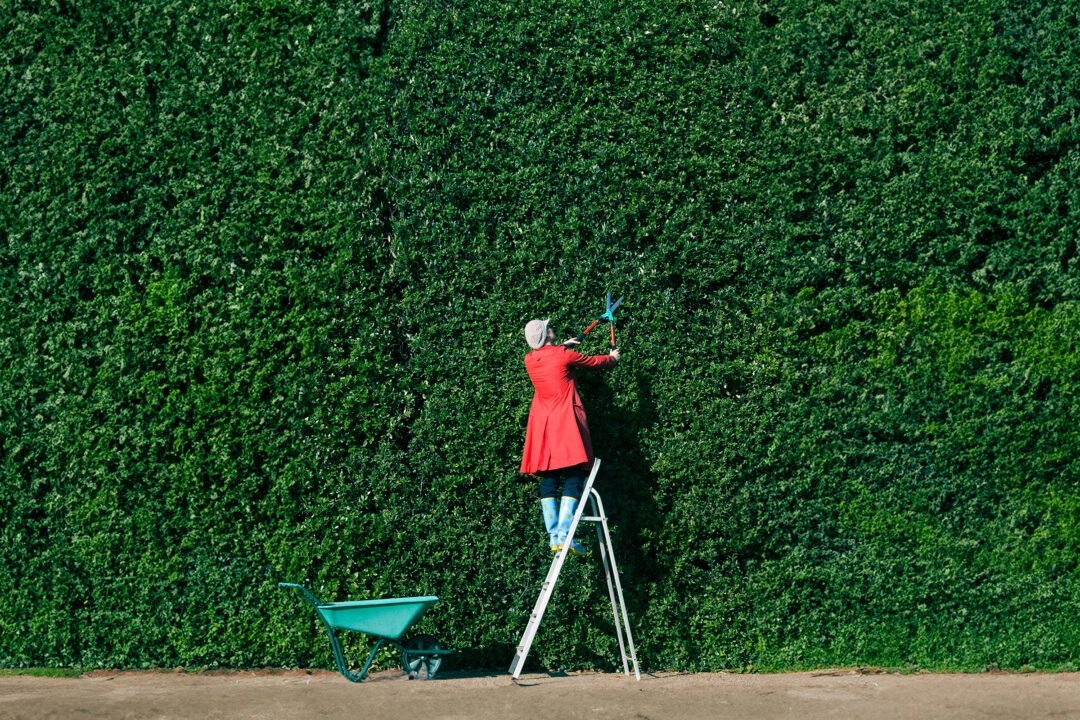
point(611, 572)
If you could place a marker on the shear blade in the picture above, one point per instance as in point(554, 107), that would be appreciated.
point(608, 314)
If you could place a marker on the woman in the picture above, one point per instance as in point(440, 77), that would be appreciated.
point(557, 442)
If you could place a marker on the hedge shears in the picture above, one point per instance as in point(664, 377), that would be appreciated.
point(609, 315)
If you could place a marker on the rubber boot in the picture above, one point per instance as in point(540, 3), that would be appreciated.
point(567, 507)
point(549, 506)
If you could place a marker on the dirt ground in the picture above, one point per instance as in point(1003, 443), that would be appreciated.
point(303, 695)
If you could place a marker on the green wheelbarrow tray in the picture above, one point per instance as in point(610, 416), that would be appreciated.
point(387, 620)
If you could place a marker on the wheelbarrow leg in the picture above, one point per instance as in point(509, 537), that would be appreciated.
point(371, 658)
point(339, 656)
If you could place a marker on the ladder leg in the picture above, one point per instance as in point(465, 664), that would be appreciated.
point(603, 543)
point(625, 618)
point(537, 615)
point(612, 573)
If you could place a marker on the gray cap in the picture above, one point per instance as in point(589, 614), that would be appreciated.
point(536, 333)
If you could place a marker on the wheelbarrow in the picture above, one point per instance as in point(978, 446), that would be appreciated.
point(387, 620)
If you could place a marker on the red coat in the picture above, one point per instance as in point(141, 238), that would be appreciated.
point(558, 434)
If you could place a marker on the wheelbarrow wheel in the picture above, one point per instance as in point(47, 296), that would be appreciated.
point(416, 655)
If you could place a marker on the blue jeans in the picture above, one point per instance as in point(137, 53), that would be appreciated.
point(572, 480)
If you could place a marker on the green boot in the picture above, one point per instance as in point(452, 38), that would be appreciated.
point(550, 508)
point(567, 507)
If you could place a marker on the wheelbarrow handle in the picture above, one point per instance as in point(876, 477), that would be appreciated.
point(308, 597)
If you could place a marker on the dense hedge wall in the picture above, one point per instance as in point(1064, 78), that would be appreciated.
point(264, 270)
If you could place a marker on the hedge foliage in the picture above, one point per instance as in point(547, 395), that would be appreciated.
point(264, 269)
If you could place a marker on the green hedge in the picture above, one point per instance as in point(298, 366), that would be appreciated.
point(264, 271)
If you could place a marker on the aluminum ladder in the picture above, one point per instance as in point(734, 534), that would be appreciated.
point(611, 572)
